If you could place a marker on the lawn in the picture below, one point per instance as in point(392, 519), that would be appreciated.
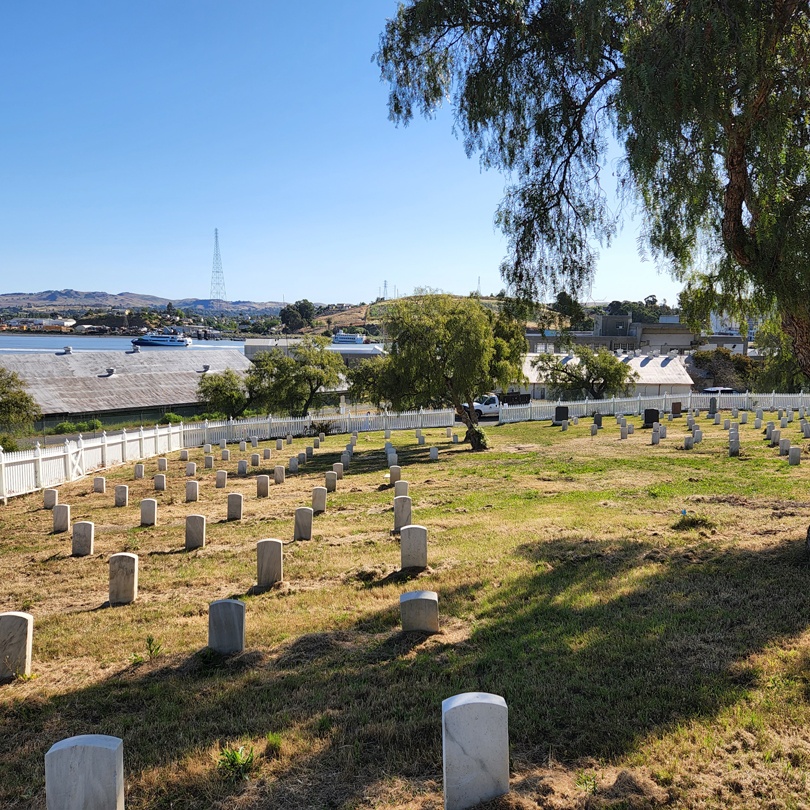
point(642, 609)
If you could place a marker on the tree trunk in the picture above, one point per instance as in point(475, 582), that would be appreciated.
point(797, 326)
point(469, 418)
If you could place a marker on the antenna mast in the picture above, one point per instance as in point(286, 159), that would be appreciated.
point(218, 295)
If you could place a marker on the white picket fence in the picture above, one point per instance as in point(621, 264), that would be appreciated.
point(44, 467)
point(536, 411)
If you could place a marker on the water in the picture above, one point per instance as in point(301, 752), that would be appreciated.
point(51, 343)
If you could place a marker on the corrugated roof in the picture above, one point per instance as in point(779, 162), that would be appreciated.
point(666, 370)
point(79, 383)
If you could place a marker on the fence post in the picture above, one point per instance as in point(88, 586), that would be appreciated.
point(182, 433)
point(141, 448)
point(82, 462)
point(229, 429)
point(773, 400)
point(3, 492)
point(104, 449)
point(124, 447)
point(37, 466)
point(67, 461)
point(169, 431)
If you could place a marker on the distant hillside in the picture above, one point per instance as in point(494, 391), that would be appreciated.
point(75, 300)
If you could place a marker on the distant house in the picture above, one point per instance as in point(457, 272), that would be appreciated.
point(70, 386)
point(657, 375)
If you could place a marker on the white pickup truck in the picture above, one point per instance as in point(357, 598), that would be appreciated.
point(490, 404)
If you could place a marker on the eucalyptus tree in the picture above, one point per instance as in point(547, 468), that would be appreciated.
point(707, 100)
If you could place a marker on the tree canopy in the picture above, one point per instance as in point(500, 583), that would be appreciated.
point(445, 351)
point(708, 102)
point(276, 383)
point(18, 410)
point(592, 374)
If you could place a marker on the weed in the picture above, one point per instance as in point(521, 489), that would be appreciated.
point(236, 763)
point(22, 676)
point(687, 522)
point(136, 658)
point(153, 648)
point(323, 725)
point(273, 744)
point(586, 782)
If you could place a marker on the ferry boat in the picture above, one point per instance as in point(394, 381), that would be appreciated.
point(161, 339)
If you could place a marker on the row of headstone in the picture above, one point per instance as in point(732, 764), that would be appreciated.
point(87, 771)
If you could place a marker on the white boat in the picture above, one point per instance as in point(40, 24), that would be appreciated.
point(161, 339)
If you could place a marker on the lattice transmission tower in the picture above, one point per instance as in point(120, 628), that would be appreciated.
point(218, 296)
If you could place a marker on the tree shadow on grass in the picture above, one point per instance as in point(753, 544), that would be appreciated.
point(602, 644)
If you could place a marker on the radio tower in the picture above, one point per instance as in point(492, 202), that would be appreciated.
point(217, 277)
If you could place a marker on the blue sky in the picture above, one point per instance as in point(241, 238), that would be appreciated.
point(131, 130)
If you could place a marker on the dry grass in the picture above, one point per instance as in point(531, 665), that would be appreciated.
point(647, 657)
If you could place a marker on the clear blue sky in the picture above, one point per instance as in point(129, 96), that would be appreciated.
point(131, 130)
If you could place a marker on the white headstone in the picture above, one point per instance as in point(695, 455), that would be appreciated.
point(795, 456)
point(419, 611)
point(16, 641)
point(242, 446)
point(394, 474)
point(337, 469)
point(344, 460)
point(83, 535)
point(209, 463)
point(192, 491)
point(321, 435)
point(289, 438)
point(241, 467)
point(475, 749)
point(279, 444)
point(99, 484)
point(235, 501)
point(402, 512)
point(123, 578)
point(222, 479)
point(50, 497)
point(225, 455)
point(85, 772)
point(269, 562)
point(278, 474)
point(331, 481)
point(309, 452)
point(316, 442)
point(266, 454)
point(121, 495)
point(302, 529)
point(302, 459)
point(413, 546)
point(184, 455)
point(148, 512)
point(262, 486)
point(434, 453)
point(163, 464)
point(160, 482)
point(254, 442)
point(420, 440)
point(195, 532)
point(206, 448)
point(222, 444)
point(61, 518)
point(191, 469)
point(226, 626)
point(744, 418)
point(400, 488)
point(318, 499)
point(293, 465)
point(455, 438)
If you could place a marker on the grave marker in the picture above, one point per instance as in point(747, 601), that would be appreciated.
point(263, 486)
point(419, 611)
point(402, 512)
point(235, 501)
point(226, 626)
point(184, 455)
point(123, 578)
point(278, 474)
point(83, 535)
point(269, 562)
point(318, 499)
point(50, 498)
point(139, 471)
point(222, 479)
point(400, 488)
point(99, 484)
point(191, 469)
point(225, 455)
point(16, 643)
point(163, 464)
point(475, 749)
point(331, 481)
point(255, 460)
point(337, 469)
point(61, 518)
point(302, 529)
point(209, 463)
point(85, 772)
point(413, 546)
point(195, 532)
point(394, 474)
point(160, 482)
point(266, 454)
point(149, 512)
point(293, 464)
point(192, 491)
point(122, 495)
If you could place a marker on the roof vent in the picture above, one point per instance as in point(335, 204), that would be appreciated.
point(206, 367)
point(68, 349)
point(136, 350)
point(110, 372)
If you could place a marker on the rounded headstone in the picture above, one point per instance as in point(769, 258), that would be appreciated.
point(279, 444)
point(413, 546)
point(83, 536)
point(400, 488)
point(331, 481)
point(50, 497)
point(402, 512)
point(303, 523)
point(123, 578)
point(419, 611)
point(149, 512)
point(318, 499)
point(266, 454)
point(16, 644)
point(121, 495)
point(160, 482)
point(85, 772)
point(434, 453)
point(262, 486)
point(184, 455)
point(195, 532)
point(222, 479)
point(394, 473)
point(209, 462)
point(278, 474)
point(163, 464)
point(235, 501)
point(191, 468)
point(269, 562)
point(225, 455)
point(337, 469)
point(61, 518)
point(192, 491)
point(226, 626)
point(99, 484)
point(255, 460)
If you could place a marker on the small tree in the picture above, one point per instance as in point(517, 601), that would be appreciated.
point(18, 410)
point(223, 392)
point(593, 374)
point(447, 350)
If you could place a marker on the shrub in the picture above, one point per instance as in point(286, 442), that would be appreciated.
point(320, 427)
point(8, 443)
point(65, 427)
point(170, 419)
point(236, 763)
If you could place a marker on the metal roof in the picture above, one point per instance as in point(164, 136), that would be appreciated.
point(80, 383)
point(651, 370)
